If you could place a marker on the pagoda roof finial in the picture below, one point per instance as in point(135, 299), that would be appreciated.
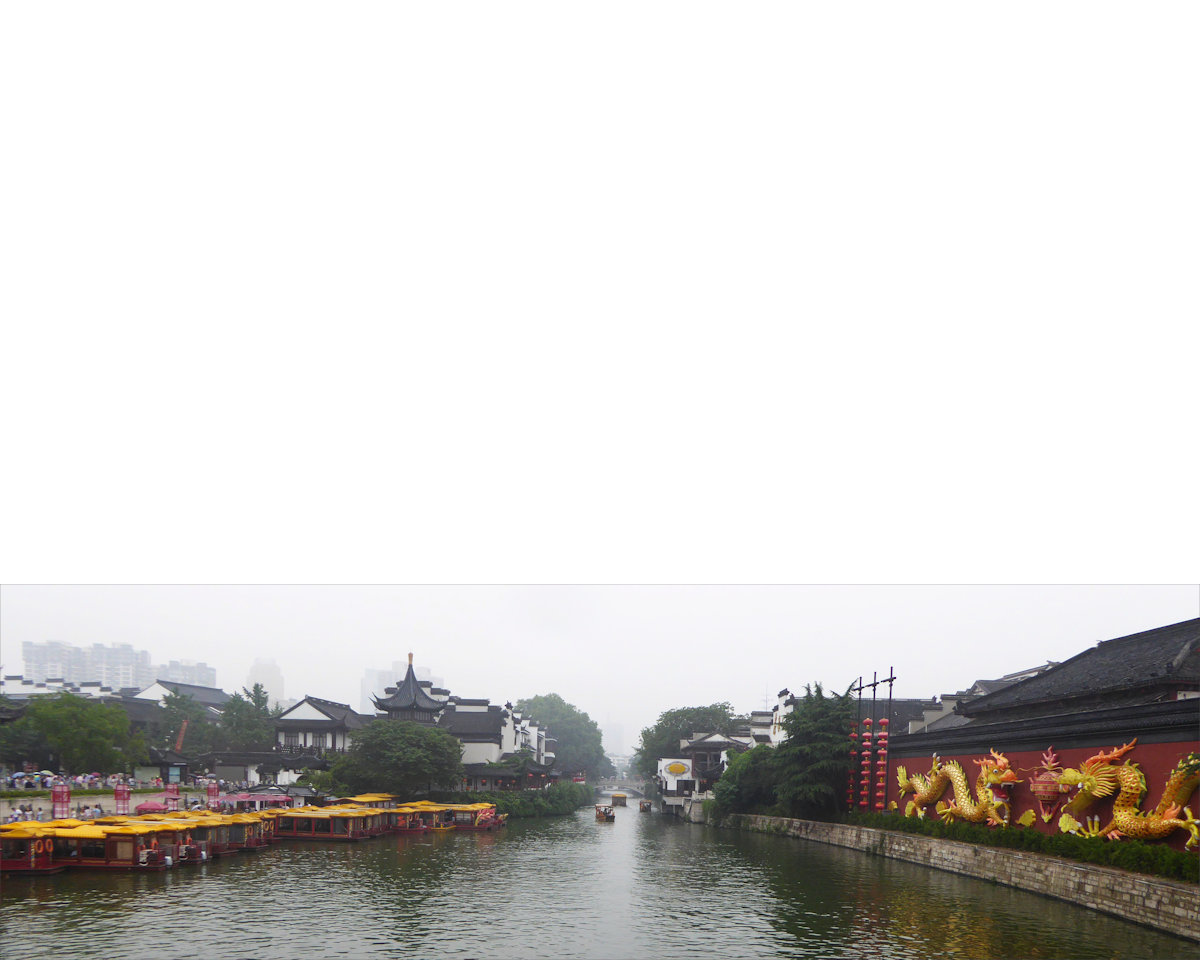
point(410, 659)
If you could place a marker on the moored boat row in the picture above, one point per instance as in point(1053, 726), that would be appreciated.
point(162, 840)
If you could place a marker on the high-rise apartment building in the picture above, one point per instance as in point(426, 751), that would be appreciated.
point(188, 671)
point(267, 673)
point(116, 665)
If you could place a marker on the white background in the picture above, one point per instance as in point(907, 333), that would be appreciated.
point(620, 293)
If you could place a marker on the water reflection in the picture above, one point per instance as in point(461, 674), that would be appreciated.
point(645, 886)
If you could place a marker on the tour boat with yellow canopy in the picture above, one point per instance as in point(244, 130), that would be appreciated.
point(408, 820)
point(123, 846)
point(246, 832)
point(25, 847)
point(477, 816)
point(330, 823)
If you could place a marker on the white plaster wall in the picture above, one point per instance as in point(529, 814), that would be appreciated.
point(480, 753)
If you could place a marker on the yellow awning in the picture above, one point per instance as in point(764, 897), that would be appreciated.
point(16, 831)
point(81, 833)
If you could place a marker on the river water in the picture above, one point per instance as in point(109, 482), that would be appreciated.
point(646, 886)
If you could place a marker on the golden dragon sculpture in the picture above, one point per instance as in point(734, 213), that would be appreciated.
point(987, 804)
point(1098, 777)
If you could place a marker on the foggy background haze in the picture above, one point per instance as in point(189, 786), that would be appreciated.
point(622, 654)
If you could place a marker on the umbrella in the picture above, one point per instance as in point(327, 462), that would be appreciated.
point(151, 806)
point(46, 773)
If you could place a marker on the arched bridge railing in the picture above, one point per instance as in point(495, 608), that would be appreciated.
point(616, 785)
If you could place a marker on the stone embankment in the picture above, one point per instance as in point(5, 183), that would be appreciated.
point(1162, 904)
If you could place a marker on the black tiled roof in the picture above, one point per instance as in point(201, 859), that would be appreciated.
point(209, 696)
point(165, 756)
point(11, 709)
point(901, 712)
point(947, 722)
point(340, 711)
point(141, 711)
point(473, 725)
point(489, 770)
point(340, 714)
point(1168, 722)
point(1139, 668)
point(409, 695)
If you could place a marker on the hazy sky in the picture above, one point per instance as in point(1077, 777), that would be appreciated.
point(623, 654)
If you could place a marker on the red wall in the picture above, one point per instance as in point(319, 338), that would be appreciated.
point(1156, 761)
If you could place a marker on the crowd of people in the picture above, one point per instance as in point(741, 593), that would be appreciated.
point(25, 811)
point(83, 781)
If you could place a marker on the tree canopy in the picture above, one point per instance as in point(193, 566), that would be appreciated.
point(805, 776)
point(72, 734)
point(201, 733)
point(580, 747)
point(400, 757)
point(749, 782)
point(662, 739)
point(247, 722)
point(815, 758)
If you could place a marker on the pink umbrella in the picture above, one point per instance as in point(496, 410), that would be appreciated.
point(150, 806)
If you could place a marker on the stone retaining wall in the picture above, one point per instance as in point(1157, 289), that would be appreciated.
point(1154, 902)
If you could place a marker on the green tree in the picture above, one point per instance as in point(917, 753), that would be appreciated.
point(201, 733)
point(580, 747)
point(75, 734)
point(815, 758)
point(246, 721)
point(662, 739)
point(400, 757)
point(749, 782)
point(319, 780)
point(21, 742)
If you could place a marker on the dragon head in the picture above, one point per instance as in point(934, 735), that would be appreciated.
point(997, 770)
point(1096, 775)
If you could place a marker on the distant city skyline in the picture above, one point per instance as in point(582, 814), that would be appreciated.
point(115, 665)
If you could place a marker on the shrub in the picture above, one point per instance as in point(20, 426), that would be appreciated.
point(1134, 855)
point(555, 800)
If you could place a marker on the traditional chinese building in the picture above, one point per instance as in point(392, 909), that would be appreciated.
point(316, 727)
point(414, 700)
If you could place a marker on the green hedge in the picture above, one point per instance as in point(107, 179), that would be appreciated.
point(555, 800)
point(1156, 859)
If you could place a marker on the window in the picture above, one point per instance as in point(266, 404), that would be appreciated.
point(318, 741)
point(291, 739)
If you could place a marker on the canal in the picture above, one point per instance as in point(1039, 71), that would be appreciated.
point(644, 886)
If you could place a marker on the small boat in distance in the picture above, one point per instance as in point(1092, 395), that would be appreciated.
point(644, 806)
point(605, 813)
point(618, 799)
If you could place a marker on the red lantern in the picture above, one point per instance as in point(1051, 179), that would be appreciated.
point(60, 796)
